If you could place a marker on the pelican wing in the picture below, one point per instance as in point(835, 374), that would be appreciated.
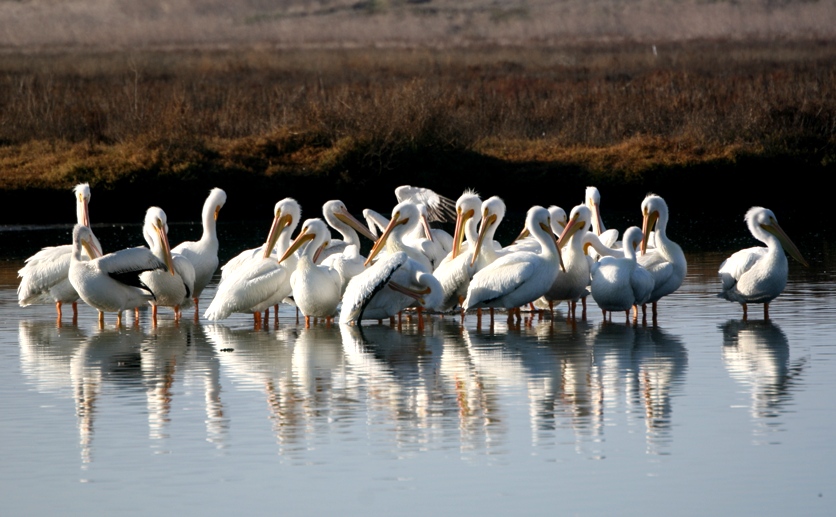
point(439, 208)
point(500, 279)
point(734, 267)
point(362, 288)
point(126, 265)
point(42, 271)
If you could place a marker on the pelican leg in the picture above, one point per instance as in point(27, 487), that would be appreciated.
point(101, 319)
point(635, 313)
point(583, 308)
point(58, 310)
point(627, 316)
point(176, 313)
point(276, 313)
point(745, 312)
point(307, 322)
point(153, 315)
point(119, 319)
point(766, 311)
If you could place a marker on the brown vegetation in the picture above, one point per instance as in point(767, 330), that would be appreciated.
point(343, 120)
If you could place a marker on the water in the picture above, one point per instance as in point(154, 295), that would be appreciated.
point(701, 414)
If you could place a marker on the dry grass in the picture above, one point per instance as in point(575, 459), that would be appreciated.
point(352, 118)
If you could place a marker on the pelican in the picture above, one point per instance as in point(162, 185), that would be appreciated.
point(259, 283)
point(518, 278)
point(316, 288)
point(286, 214)
point(620, 283)
point(110, 283)
point(174, 287)
point(44, 277)
point(592, 200)
point(457, 268)
point(390, 285)
point(203, 254)
point(435, 243)
point(405, 217)
point(338, 217)
point(439, 208)
point(758, 274)
point(666, 263)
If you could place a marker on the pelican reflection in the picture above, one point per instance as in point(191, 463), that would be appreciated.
point(757, 355)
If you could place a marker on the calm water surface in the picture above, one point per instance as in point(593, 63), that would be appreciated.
point(702, 414)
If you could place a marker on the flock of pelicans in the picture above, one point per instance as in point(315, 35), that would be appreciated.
point(556, 258)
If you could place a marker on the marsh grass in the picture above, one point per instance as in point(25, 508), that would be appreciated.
point(354, 118)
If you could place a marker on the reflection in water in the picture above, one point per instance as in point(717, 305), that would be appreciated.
point(757, 354)
point(58, 358)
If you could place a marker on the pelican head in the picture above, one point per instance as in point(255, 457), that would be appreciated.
point(83, 239)
point(578, 221)
point(467, 207)
point(214, 202)
point(155, 231)
point(314, 231)
point(404, 217)
point(592, 199)
point(760, 220)
point(286, 215)
point(335, 210)
point(82, 197)
point(654, 215)
point(493, 211)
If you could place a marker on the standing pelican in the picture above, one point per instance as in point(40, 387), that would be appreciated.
point(110, 283)
point(666, 262)
point(316, 288)
point(405, 217)
point(592, 200)
point(620, 283)
point(758, 274)
point(457, 268)
point(174, 287)
point(44, 277)
point(259, 283)
point(518, 278)
point(203, 254)
point(572, 284)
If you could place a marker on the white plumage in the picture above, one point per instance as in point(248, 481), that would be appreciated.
point(111, 283)
point(44, 278)
point(203, 254)
point(620, 283)
point(666, 262)
point(758, 274)
point(172, 288)
point(518, 278)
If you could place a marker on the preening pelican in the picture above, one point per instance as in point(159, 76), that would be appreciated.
point(666, 262)
point(390, 285)
point(434, 243)
point(174, 287)
point(203, 254)
point(758, 274)
point(259, 283)
point(44, 278)
point(286, 216)
point(620, 283)
point(110, 283)
point(439, 208)
point(316, 288)
point(518, 278)
point(457, 268)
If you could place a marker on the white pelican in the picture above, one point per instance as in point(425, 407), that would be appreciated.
point(666, 262)
point(390, 285)
point(339, 218)
point(44, 277)
point(592, 200)
point(457, 268)
point(620, 283)
point(518, 278)
point(286, 214)
point(435, 243)
point(758, 274)
point(110, 283)
point(316, 288)
point(203, 254)
point(405, 217)
point(259, 283)
point(174, 287)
